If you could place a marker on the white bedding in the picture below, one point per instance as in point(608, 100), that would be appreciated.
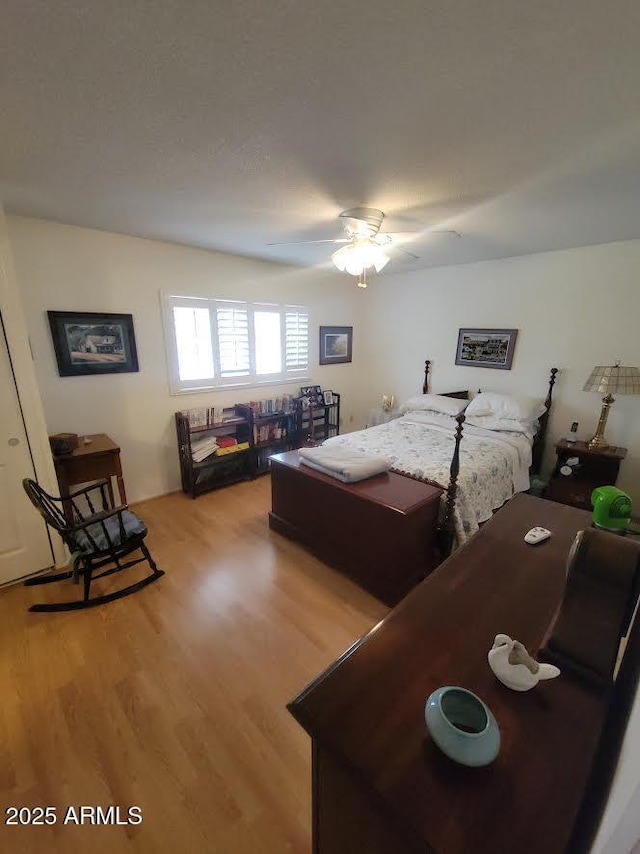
point(493, 465)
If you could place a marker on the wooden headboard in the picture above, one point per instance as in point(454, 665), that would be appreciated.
point(459, 395)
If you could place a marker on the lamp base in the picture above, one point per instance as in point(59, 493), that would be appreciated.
point(598, 443)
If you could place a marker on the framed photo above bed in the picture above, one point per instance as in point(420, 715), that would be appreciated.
point(486, 348)
point(336, 343)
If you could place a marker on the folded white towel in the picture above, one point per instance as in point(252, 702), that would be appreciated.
point(343, 463)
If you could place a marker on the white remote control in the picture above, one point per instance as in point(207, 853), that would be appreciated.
point(537, 535)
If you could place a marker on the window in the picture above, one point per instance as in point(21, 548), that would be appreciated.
point(216, 343)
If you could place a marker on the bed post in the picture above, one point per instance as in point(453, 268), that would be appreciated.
point(552, 382)
point(425, 384)
point(541, 435)
point(448, 522)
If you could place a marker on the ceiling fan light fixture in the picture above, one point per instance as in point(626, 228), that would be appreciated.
point(358, 255)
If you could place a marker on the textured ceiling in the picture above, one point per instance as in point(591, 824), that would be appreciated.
point(230, 125)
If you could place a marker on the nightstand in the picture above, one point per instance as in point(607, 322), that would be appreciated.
point(573, 483)
point(382, 416)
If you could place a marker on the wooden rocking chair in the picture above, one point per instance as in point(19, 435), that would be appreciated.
point(97, 539)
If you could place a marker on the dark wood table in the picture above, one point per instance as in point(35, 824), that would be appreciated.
point(100, 458)
point(379, 782)
point(380, 531)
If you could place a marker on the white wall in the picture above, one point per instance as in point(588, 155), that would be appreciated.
point(575, 309)
point(65, 268)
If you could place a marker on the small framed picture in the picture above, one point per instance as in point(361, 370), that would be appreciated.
point(336, 344)
point(327, 397)
point(313, 393)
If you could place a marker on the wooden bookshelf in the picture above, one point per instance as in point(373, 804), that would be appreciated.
point(271, 433)
point(215, 470)
point(267, 427)
point(316, 423)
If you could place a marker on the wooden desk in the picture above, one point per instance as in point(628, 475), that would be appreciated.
point(97, 460)
point(380, 531)
point(379, 782)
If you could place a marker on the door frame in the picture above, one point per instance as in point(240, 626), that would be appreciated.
point(17, 336)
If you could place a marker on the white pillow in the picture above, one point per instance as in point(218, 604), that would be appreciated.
point(434, 403)
point(508, 425)
point(417, 416)
point(512, 406)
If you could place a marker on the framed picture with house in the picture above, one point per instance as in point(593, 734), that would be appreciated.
point(90, 342)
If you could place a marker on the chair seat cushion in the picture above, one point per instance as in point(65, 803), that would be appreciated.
point(133, 527)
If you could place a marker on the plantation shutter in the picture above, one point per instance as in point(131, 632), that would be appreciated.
point(296, 329)
point(233, 341)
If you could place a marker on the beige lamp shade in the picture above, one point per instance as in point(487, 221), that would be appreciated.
point(615, 379)
point(609, 380)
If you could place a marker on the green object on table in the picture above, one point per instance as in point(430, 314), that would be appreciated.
point(611, 508)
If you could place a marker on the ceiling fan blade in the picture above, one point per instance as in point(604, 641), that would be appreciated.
point(303, 242)
point(406, 252)
point(423, 232)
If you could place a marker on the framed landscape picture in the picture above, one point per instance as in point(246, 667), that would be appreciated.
point(486, 348)
point(93, 343)
point(336, 343)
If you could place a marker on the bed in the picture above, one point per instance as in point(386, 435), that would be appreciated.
point(475, 469)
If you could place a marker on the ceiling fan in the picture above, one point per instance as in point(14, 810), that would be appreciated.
point(365, 247)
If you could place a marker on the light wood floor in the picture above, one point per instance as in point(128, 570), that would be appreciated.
point(173, 699)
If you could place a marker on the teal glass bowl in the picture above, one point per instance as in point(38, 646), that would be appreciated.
point(462, 726)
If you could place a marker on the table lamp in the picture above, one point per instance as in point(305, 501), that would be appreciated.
point(610, 380)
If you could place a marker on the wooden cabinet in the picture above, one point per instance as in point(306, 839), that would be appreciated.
point(96, 456)
point(379, 782)
point(580, 469)
point(380, 531)
point(217, 469)
point(318, 422)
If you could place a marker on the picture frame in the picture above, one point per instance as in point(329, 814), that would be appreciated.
point(327, 397)
point(336, 344)
point(486, 348)
point(313, 393)
point(89, 343)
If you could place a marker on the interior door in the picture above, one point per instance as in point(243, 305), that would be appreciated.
point(24, 544)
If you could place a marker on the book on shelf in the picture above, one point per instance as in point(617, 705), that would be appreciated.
point(203, 448)
point(226, 441)
point(271, 432)
point(232, 449)
point(209, 416)
point(272, 406)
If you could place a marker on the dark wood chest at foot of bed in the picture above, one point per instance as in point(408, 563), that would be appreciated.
point(381, 532)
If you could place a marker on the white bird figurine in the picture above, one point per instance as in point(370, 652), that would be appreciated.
point(514, 667)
